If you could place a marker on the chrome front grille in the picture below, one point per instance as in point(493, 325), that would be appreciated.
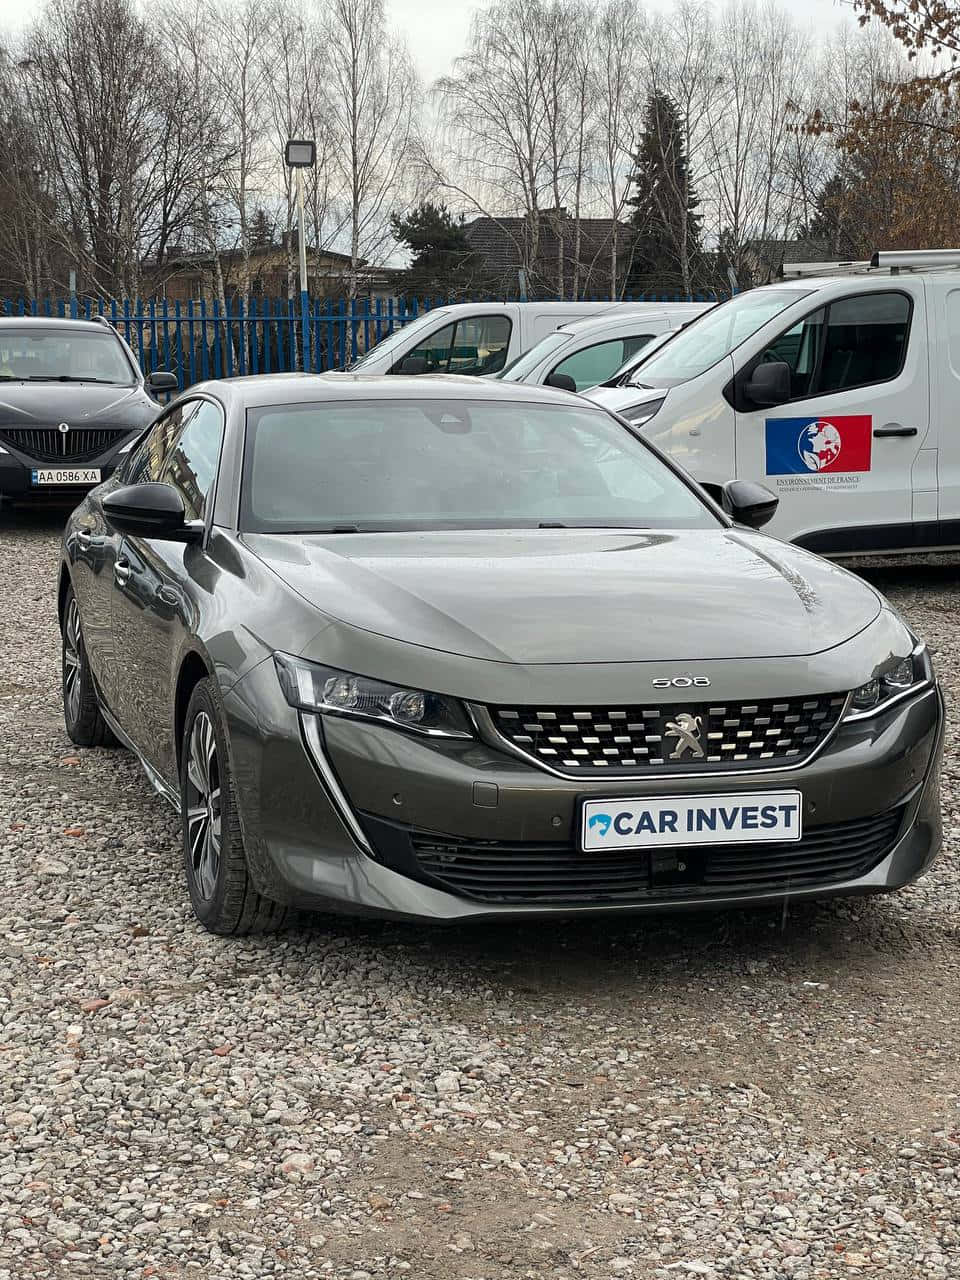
point(50, 444)
point(679, 738)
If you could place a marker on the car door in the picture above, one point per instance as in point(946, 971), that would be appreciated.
point(154, 593)
point(92, 552)
point(94, 546)
point(840, 452)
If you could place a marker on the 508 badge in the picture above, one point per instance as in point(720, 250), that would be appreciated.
point(681, 682)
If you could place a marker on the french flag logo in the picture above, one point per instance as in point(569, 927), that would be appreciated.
point(801, 446)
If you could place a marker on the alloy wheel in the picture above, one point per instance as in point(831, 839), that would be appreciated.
point(72, 660)
point(203, 805)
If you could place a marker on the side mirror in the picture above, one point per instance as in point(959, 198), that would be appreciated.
point(151, 511)
point(160, 381)
point(413, 364)
point(749, 503)
point(769, 384)
point(562, 382)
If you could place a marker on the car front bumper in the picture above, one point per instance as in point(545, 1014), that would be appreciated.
point(16, 477)
point(349, 816)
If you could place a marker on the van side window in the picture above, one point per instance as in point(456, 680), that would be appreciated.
point(853, 342)
point(475, 345)
point(866, 341)
point(595, 364)
point(798, 348)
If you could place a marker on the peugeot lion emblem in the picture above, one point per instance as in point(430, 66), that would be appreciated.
point(686, 729)
point(64, 429)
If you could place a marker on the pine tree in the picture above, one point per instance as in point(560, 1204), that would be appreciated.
point(442, 264)
point(261, 230)
point(668, 254)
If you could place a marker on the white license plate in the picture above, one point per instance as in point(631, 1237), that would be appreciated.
point(65, 475)
point(677, 821)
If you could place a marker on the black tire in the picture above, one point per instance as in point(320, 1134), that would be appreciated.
point(222, 894)
point(81, 710)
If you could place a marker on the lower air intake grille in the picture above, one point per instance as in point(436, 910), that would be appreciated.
point(492, 871)
point(679, 738)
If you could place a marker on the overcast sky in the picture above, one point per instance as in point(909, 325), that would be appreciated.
point(436, 30)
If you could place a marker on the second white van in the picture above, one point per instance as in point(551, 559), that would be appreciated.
point(479, 338)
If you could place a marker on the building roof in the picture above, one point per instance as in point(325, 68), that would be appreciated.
point(500, 241)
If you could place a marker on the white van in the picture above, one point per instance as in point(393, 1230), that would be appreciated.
point(578, 355)
point(839, 392)
point(478, 337)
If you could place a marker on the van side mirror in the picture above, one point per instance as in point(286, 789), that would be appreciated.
point(561, 381)
point(413, 364)
point(151, 511)
point(749, 503)
point(769, 384)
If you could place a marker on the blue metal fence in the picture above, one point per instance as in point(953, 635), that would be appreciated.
point(199, 340)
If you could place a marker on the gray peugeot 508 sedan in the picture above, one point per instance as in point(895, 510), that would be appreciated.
point(435, 649)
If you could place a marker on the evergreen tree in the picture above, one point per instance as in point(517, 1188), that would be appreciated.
point(261, 230)
point(443, 264)
point(668, 254)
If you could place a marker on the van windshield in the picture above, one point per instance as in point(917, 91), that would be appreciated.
point(692, 351)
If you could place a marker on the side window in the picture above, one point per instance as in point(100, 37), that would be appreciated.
point(192, 465)
point(854, 342)
point(866, 341)
point(598, 363)
point(798, 348)
point(434, 349)
point(480, 345)
point(147, 463)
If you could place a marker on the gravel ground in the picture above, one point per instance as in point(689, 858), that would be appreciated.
point(732, 1095)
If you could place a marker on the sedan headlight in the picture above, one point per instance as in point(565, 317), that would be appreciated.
point(638, 414)
point(902, 676)
point(309, 686)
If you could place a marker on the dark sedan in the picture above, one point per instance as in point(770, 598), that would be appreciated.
point(72, 401)
point(434, 648)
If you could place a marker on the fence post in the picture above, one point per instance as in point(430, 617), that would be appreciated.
point(305, 352)
point(178, 342)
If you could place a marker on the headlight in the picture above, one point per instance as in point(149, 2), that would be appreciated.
point(638, 414)
point(312, 687)
point(903, 675)
point(130, 443)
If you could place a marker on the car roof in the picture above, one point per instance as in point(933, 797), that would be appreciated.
point(257, 390)
point(629, 313)
point(55, 322)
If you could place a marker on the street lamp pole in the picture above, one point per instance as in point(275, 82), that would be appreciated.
point(301, 154)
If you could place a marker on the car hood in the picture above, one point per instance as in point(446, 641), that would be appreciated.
point(618, 399)
point(577, 596)
point(28, 404)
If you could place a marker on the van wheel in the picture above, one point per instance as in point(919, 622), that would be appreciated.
point(81, 711)
point(222, 894)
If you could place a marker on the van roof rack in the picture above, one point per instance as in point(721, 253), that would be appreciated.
point(894, 261)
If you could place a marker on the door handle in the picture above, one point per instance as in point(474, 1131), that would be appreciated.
point(121, 572)
point(168, 595)
point(894, 429)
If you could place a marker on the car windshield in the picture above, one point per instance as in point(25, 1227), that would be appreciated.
point(394, 340)
point(346, 466)
point(518, 369)
point(714, 335)
point(70, 355)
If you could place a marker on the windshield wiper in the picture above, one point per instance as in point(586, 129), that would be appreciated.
point(69, 377)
